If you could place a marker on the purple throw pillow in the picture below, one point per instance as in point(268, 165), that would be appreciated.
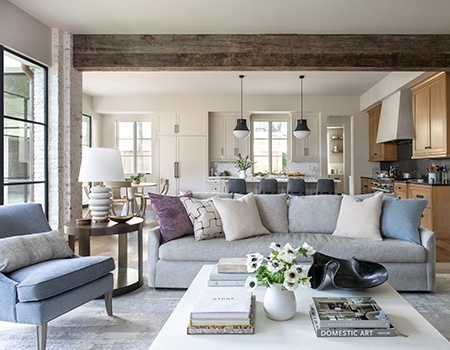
point(172, 217)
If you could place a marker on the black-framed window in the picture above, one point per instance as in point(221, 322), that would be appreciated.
point(25, 130)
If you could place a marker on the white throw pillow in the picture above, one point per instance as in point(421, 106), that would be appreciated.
point(240, 217)
point(360, 218)
point(204, 216)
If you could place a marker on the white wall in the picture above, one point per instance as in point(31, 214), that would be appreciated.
point(116, 108)
point(25, 34)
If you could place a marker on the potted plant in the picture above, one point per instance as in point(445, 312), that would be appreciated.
point(136, 179)
point(242, 164)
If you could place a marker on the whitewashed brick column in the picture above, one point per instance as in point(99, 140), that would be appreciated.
point(65, 110)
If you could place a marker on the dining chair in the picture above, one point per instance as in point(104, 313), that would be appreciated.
point(123, 195)
point(268, 186)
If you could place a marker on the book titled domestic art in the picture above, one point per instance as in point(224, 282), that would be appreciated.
point(351, 312)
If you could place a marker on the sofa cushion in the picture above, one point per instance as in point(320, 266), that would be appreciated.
point(171, 215)
point(208, 251)
point(240, 217)
point(360, 218)
point(400, 218)
point(204, 216)
point(24, 250)
point(53, 277)
point(273, 211)
point(313, 214)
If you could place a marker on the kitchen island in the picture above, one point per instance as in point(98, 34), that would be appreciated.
point(220, 183)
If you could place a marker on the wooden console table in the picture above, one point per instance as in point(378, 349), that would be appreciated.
point(125, 279)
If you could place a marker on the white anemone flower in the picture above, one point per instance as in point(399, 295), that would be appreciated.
point(291, 286)
point(287, 257)
point(274, 266)
point(291, 275)
point(275, 247)
point(309, 250)
point(290, 250)
point(251, 283)
point(254, 261)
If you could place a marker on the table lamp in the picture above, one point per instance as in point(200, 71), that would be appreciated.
point(99, 165)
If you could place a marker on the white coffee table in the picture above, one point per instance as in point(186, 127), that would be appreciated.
point(298, 333)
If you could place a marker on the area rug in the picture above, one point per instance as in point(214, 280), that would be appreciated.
point(138, 317)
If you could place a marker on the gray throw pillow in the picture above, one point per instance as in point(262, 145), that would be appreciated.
point(24, 250)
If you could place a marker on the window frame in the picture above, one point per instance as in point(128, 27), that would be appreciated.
point(271, 117)
point(43, 123)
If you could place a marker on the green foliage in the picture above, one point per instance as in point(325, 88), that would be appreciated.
point(138, 176)
point(243, 163)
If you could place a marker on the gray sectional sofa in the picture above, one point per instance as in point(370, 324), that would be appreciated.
point(311, 219)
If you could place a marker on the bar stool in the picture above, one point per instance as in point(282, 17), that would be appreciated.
point(268, 186)
point(296, 187)
point(325, 186)
point(237, 186)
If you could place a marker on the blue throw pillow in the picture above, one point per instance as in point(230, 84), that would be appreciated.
point(400, 218)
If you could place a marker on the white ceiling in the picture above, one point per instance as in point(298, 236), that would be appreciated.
point(238, 17)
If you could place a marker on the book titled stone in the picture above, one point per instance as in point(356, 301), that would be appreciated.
point(350, 332)
point(349, 312)
point(222, 303)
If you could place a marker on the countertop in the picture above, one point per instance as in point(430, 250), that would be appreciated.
point(308, 179)
point(408, 181)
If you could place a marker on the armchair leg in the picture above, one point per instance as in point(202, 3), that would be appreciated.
point(41, 336)
point(108, 303)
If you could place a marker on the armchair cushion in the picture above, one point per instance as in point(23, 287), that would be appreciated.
point(24, 250)
point(49, 278)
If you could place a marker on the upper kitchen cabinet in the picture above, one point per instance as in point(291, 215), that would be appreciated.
point(183, 124)
point(379, 151)
point(431, 99)
point(307, 149)
point(224, 146)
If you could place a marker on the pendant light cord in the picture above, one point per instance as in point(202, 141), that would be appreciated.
point(301, 96)
point(242, 94)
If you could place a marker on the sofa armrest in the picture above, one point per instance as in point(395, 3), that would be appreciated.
point(154, 241)
point(8, 291)
point(428, 240)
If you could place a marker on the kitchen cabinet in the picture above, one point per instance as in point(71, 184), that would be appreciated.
point(366, 185)
point(435, 215)
point(183, 124)
point(307, 149)
point(182, 150)
point(431, 103)
point(184, 161)
point(224, 146)
point(379, 152)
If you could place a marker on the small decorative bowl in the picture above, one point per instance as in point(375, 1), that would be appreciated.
point(122, 219)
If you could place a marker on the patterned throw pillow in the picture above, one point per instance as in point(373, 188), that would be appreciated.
point(172, 218)
point(205, 218)
point(25, 250)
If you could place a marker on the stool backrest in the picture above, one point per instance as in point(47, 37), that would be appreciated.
point(268, 186)
point(325, 186)
point(296, 187)
point(237, 186)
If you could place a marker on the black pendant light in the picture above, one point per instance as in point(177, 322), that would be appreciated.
point(301, 131)
point(241, 130)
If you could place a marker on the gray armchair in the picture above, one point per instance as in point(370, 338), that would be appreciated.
point(40, 277)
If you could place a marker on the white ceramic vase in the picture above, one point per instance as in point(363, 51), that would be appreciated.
point(242, 174)
point(279, 304)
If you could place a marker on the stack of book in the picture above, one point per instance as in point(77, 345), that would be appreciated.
point(229, 272)
point(349, 317)
point(222, 310)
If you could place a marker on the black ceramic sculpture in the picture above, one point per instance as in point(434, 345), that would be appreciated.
point(350, 274)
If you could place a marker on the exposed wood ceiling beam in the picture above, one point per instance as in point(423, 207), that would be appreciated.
point(286, 52)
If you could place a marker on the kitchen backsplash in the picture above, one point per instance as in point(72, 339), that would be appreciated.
point(405, 164)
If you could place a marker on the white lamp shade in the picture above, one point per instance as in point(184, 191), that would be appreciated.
point(100, 165)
